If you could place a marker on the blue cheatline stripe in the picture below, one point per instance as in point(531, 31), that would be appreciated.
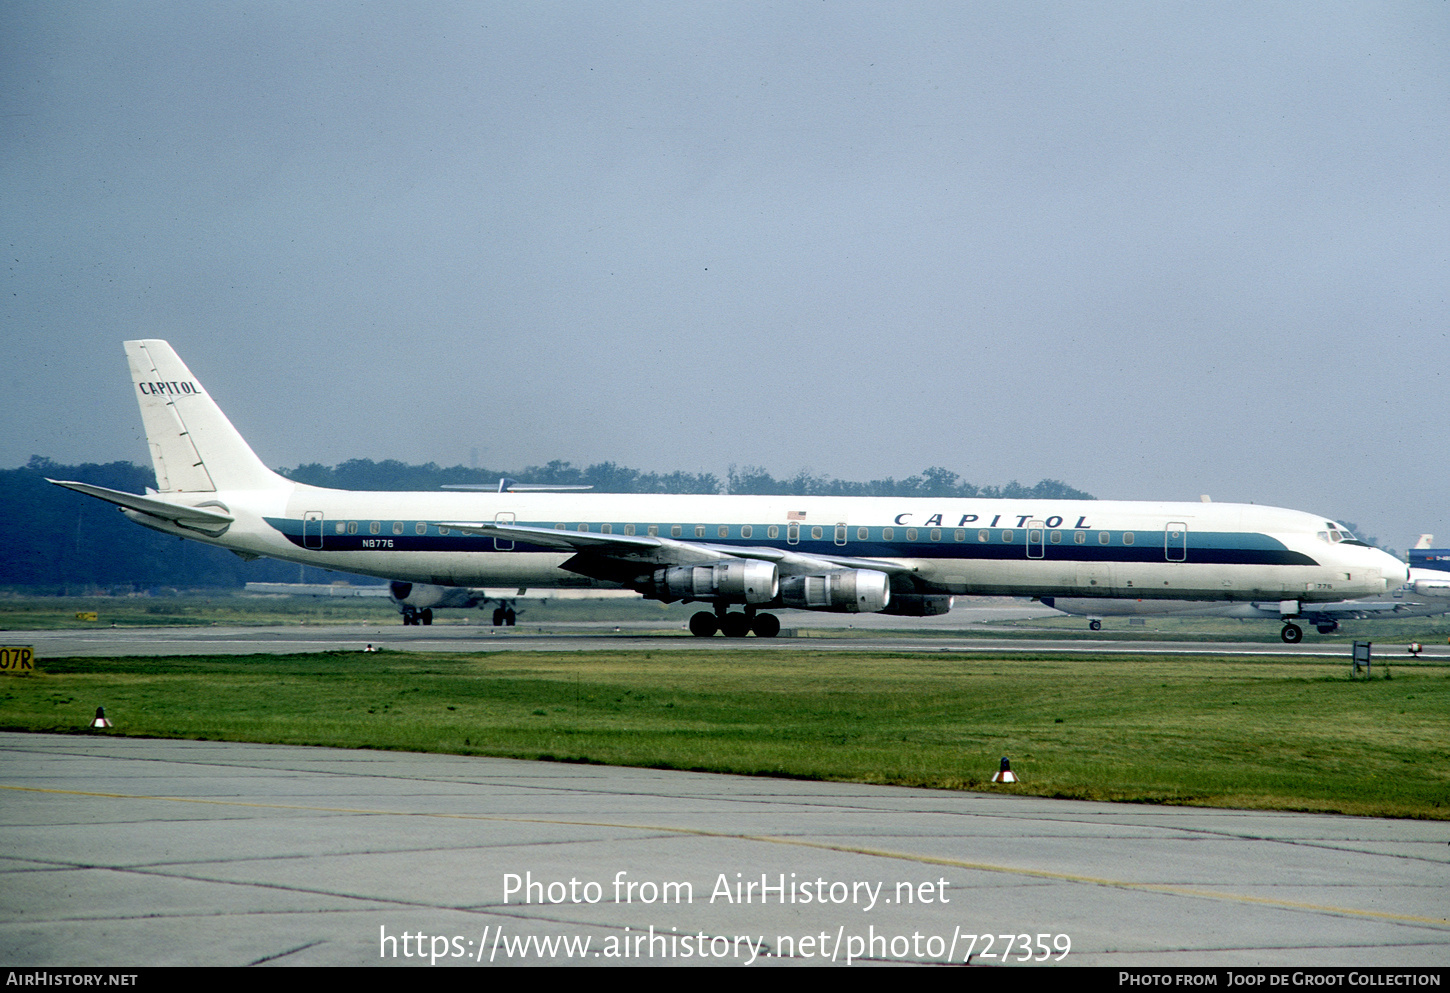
point(1204, 547)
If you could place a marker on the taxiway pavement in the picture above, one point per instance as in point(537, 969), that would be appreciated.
point(140, 852)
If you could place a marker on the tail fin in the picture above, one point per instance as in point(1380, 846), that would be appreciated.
point(194, 447)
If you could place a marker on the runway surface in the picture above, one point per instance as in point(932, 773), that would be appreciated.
point(109, 642)
point(135, 852)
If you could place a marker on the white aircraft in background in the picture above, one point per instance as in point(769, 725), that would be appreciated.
point(905, 556)
point(417, 601)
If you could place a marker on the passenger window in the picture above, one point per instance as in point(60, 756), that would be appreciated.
point(862, 534)
point(1079, 537)
point(792, 533)
point(699, 530)
point(654, 530)
point(352, 527)
point(583, 527)
point(606, 529)
point(676, 531)
point(960, 534)
point(339, 527)
point(816, 534)
point(1127, 537)
point(559, 527)
point(936, 534)
point(375, 527)
point(1104, 537)
point(420, 528)
point(911, 534)
point(746, 530)
point(1055, 537)
point(629, 529)
point(888, 533)
point(724, 531)
point(772, 532)
point(397, 527)
point(442, 529)
point(984, 536)
point(1006, 535)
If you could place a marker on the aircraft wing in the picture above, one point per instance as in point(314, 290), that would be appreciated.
point(625, 547)
point(193, 517)
point(667, 551)
point(1346, 610)
point(1350, 609)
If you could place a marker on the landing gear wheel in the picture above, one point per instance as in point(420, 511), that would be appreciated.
point(1291, 634)
point(509, 617)
point(1095, 625)
point(704, 625)
point(735, 625)
point(498, 617)
point(1329, 628)
point(427, 615)
point(766, 625)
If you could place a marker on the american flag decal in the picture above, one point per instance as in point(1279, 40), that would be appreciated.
point(796, 515)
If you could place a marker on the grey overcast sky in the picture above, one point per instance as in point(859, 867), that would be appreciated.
point(1151, 249)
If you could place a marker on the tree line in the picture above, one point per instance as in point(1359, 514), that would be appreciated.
point(59, 541)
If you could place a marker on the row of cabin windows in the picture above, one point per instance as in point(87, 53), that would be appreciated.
point(773, 531)
point(376, 527)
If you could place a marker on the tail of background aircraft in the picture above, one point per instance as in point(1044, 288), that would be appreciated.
point(194, 447)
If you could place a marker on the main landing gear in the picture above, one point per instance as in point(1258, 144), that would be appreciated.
point(424, 616)
point(1095, 625)
point(1292, 634)
point(735, 624)
point(504, 617)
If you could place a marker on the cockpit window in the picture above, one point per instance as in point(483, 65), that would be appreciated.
point(1339, 533)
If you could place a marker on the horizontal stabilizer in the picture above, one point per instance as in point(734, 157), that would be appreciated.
point(187, 517)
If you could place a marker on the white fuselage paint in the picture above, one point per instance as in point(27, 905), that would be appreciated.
point(1328, 571)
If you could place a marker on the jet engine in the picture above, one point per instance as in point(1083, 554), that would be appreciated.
point(734, 581)
point(850, 591)
point(1431, 584)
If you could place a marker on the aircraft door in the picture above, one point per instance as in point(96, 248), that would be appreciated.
point(502, 544)
point(1036, 539)
point(1175, 541)
point(312, 529)
point(841, 533)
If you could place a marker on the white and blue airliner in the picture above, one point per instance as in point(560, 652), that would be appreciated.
point(741, 556)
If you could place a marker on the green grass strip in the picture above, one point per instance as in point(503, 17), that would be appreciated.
point(1277, 733)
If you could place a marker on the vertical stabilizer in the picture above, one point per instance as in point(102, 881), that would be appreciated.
point(194, 447)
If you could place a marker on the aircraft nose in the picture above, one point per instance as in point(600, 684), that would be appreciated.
point(1395, 572)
